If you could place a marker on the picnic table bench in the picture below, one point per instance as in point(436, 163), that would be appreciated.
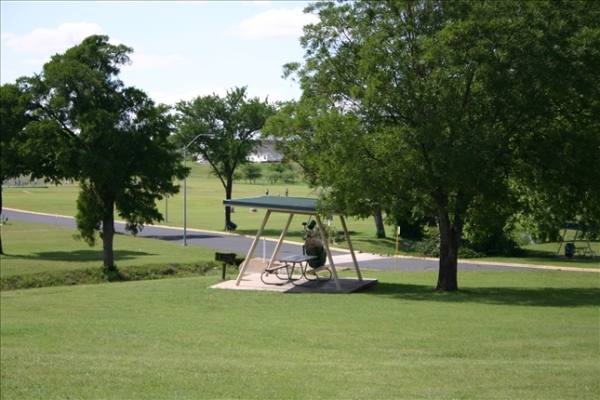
point(284, 271)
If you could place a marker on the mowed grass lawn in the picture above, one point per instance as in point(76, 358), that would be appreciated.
point(506, 335)
point(31, 248)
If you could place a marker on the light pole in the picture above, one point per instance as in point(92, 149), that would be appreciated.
point(167, 209)
point(185, 186)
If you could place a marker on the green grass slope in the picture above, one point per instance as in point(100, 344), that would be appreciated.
point(526, 335)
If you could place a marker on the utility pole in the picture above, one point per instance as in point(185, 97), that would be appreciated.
point(185, 186)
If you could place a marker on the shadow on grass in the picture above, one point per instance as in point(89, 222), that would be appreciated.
point(542, 297)
point(80, 255)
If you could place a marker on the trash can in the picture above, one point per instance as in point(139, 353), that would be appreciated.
point(226, 258)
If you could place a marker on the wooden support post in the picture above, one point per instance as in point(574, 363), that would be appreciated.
point(330, 258)
point(252, 248)
point(280, 241)
point(360, 278)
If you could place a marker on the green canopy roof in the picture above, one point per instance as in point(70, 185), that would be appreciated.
point(278, 203)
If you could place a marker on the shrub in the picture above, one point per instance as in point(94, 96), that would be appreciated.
point(251, 172)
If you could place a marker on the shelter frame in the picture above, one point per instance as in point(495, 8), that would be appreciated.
point(286, 205)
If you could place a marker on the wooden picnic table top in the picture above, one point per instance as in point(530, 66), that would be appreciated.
point(297, 258)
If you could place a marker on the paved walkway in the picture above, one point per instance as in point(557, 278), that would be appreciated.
point(227, 242)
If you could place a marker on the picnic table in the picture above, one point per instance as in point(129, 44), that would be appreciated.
point(284, 271)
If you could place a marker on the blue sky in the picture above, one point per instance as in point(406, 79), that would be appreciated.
point(181, 49)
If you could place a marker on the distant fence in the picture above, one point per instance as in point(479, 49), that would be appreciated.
point(26, 181)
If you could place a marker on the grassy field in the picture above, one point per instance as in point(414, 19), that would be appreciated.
point(205, 211)
point(504, 335)
point(34, 248)
point(205, 202)
point(205, 207)
point(525, 335)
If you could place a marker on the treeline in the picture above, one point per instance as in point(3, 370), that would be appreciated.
point(271, 173)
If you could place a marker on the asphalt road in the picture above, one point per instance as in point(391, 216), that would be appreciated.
point(241, 244)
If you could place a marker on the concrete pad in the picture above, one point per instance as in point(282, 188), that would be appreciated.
point(360, 257)
point(253, 282)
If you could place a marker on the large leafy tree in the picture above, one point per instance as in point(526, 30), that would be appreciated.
point(13, 119)
point(458, 104)
point(224, 131)
point(329, 147)
point(110, 137)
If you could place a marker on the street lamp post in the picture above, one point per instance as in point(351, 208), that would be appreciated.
point(185, 186)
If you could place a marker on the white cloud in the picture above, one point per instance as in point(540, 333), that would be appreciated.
point(174, 96)
point(261, 3)
point(144, 60)
point(49, 41)
point(272, 92)
point(275, 22)
point(168, 3)
point(257, 3)
point(35, 61)
point(6, 36)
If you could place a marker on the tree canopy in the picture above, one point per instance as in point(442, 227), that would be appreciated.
point(13, 119)
point(224, 131)
point(450, 110)
point(111, 138)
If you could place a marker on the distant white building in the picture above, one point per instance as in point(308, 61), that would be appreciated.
point(266, 152)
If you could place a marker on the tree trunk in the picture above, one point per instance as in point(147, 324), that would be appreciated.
point(379, 226)
point(450, 235)
point(108, 233)
point(1, 222)
point(228, 192)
